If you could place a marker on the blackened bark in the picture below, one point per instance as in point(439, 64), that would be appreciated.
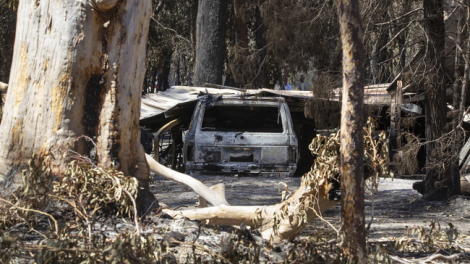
point(437, 183)
point(163, 82)
point(458, 82)
point(210, 42)
point(242, 29)
point(352, 145)
point(466, 53)
point(76, 75)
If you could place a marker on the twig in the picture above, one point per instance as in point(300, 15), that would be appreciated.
point(397, 35)
point(32, 210)
point(437, 256)
point(398, 18)
point(320, 216)
point(175, 32)
point(54, 249)
point(71, 204)
point(136, 217)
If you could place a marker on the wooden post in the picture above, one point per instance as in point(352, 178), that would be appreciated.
point(392, 145)
point(395, 113)
point(399, 100)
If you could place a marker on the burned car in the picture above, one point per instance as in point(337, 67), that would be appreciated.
point(241, 135)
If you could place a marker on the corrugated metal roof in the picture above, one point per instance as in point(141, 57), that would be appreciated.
point(159, 103)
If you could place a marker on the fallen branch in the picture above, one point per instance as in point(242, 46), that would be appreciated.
point(34, 211)
point(434, 257)
point(400, 260)
point(214, 196)
point(280, 221)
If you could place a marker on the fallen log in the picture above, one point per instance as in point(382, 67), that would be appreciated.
point(280, 221)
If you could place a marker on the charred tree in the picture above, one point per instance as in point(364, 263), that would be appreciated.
point(77, 70)
point(163, 83)
point(241, 27)
point(352, 120)
point(7, 39)
point(461, 36)
point(438, 181)
point(210, 42)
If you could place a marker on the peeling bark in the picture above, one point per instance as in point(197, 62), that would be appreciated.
point(352, 142)
point(77, 71)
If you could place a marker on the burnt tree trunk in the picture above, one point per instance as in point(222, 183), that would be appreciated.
point(466, 54)
point(457, 93)
point(7, 39)
point(352, 120)
point(78, 68)
point(210, 42)
point(163, 82)
point(241, 26)
point(437, 181)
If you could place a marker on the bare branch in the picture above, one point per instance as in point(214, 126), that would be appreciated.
point(34, 211)
point(401, 17)
point(175, 32)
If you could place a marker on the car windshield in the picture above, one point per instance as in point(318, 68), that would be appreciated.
point(242, 118)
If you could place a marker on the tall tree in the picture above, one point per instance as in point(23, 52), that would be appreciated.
point(171, 44)
point(461, 39)
point(77, 71)
point(210, 41)
point(352, 120)
point(437, 181)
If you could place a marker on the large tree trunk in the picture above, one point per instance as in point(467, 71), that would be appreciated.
point(458, 82)
point(77, 70)
point(437, 182)
point(352, 120)
point(210, 42)
point(163, 82)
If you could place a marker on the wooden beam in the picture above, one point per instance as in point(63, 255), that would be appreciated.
point(399, 99)
point(217, 86)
